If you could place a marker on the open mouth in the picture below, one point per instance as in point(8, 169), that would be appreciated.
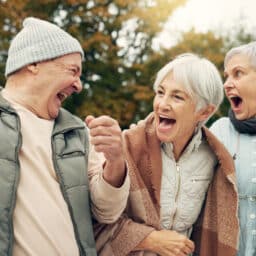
point(166, 122)
point(236, 102)
point(62, 96)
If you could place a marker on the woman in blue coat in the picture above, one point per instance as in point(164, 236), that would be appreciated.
point(238, 134)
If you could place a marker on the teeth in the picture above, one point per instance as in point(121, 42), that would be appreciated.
point(164, 117)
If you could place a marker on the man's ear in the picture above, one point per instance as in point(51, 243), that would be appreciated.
point(205, 112)
point(33, 68)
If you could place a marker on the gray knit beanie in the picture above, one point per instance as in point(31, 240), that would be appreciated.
point(39, 40)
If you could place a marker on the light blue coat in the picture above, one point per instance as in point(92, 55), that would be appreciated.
point(243, 149)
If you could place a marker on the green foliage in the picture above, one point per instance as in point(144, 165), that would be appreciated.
point(109, 70)
point(203, 44)
point(116, 35)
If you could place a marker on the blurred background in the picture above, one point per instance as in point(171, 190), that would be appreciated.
point(127, 41)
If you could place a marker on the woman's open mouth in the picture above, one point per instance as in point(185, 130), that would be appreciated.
point(236, 103)
point(166, 123)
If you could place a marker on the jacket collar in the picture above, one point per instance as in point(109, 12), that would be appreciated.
point(222, 154)
point(225, 161)
point(66, 121)
point(192, 146)
point(4, 104)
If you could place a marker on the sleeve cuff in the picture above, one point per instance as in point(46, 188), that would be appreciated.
point(107, 190)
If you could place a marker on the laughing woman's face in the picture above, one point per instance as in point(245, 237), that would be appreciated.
point(175, 112)
point(240, 86)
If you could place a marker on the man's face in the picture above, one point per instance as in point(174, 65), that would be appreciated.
point(58, 79)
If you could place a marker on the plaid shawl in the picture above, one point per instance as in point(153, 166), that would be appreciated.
point(216, 231)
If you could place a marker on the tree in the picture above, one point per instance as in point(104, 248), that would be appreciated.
point(116, 37)
point(208, 45)
point(204, 44)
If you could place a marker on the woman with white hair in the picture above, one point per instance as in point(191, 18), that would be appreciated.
point(183, 198)
point(238, 134)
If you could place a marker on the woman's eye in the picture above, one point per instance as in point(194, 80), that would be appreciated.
point(238, 73)
point(159, 92)
point(178, 97)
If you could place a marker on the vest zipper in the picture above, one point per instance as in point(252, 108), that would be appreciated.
point(177, 182)
point(177, 176)
point(56, 168)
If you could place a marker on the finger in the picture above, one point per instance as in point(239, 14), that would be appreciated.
point(88, 119)
point(186, 242)
point(187, 250)
point(105, 121)
point(106, 131)
point(190, 244)
point(187, 246)
point(106, 140)
point(179, 252)
point(184, 245)
point(166, 252)
point(109, 153)
point(132, 126)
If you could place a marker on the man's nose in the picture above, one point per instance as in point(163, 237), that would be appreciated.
point(78, 85)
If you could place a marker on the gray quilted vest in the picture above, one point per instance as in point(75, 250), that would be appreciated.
point(70, 152)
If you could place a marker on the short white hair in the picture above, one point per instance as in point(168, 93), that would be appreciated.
point(248, 50)
point(200, 78)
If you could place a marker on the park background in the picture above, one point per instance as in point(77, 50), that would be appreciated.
point(127, 41)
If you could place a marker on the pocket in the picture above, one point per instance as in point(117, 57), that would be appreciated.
point(196, 186)
point(69, 145)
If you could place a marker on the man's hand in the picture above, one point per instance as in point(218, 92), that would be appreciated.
point(106, 137)
point(167, 243)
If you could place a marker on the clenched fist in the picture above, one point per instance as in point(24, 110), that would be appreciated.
point(106, 137)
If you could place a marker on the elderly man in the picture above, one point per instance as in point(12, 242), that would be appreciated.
point(48, 165)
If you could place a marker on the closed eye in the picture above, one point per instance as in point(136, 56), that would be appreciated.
point(178, 97)
point(73, 71)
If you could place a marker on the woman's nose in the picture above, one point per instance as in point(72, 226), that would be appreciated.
point(165, 103)
point(228, 83)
